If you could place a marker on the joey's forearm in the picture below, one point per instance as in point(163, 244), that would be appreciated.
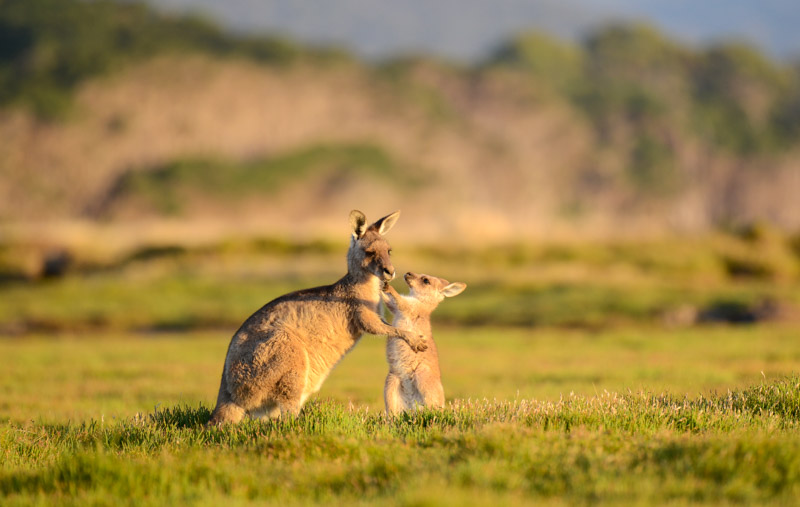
point(389, 303)
point(396, 301)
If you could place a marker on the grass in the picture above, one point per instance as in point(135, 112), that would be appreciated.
point(738, 447)
point(114, 376)
point(564, 387)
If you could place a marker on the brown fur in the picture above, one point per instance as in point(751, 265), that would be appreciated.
point(414, 378)
point(284, 352)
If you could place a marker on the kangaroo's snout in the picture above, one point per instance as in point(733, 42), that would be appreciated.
point(388, 273)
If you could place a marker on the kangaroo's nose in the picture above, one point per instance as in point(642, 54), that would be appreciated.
point(389, 271)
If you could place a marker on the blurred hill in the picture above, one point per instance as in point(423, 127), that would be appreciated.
point(112, 112)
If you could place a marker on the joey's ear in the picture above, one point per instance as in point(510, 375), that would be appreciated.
point(358, 222)
point(384, 224)
point(454, 289)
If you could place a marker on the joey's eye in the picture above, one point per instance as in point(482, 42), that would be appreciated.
point(426, 281)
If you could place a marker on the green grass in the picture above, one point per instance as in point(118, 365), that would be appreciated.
point(738, 447)
point(563, 386)
point(95, 376)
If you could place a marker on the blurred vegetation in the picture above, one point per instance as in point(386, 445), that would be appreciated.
point(168, 188)
point(658, 108)
point(729, 95)
point(747, 276)
point(48, 47)
point(646, 94)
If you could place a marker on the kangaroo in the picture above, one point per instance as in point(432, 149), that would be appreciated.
point(414, 378)
point(284, 351)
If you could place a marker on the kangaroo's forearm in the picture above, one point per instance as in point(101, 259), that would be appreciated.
point(372, 323)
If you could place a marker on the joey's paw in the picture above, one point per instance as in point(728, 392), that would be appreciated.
point(415, 341)
point(419, 344)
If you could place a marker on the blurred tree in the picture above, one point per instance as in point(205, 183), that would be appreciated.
point(736, 90)
point(549, 60)
point(637, 54)
point(47, 47)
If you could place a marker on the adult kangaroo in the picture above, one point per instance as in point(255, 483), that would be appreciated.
point(284, 352)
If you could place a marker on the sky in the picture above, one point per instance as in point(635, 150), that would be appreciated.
point(466, 30)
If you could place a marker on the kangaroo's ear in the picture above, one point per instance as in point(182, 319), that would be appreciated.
point(386, 223)
point(454, 289)
point(358, 222)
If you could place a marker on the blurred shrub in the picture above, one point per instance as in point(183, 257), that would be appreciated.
point(26, 261)
point(735, 312)
point(794, 244)
point(152, 252)
point(759, 233)
point(759, 250)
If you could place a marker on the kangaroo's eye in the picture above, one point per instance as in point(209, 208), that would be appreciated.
point(390, 251)
point(426, 281)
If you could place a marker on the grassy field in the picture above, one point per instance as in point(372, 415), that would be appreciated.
point(564, 386)
point(115, 376)
point(741, 446)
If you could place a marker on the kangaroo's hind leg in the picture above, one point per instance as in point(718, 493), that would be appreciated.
point(226, 410)
point(391, 395)
point(287, 393)
point(429, 388)
point(269, 381)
